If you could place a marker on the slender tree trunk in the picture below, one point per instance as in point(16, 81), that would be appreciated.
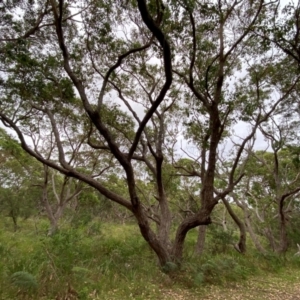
point(283, 238)
point(253, 236)
point(283, 246)
point(241, 245)
point(53, 222)
point(54, 218)
point(248, 225)
point(14, 219)
point(46, 204)
point(201, 240)
point(59, 211)
point(269, 235)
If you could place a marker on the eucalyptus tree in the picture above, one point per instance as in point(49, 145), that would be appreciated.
point(96, 77)
point(272, 187)
point(268, 193)
point(281, 28)
point(269, 83)
point(18, 172)
point(56, 46)
point(229, 78)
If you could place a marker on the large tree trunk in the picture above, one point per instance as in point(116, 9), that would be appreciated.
point(200, 218)
point(53, 227)
point(283, 244)
point(151, 238)
point(165, 225)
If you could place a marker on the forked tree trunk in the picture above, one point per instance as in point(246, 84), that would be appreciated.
point(200, 218)
point(54, 218)
point(54, 214)
point(208, 202)
point(50, 215)
point(151, 238)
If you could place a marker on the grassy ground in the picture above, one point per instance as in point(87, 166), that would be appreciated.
point(282, 286)
point(107, 261)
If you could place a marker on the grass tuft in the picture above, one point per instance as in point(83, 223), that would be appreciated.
point(107, 261)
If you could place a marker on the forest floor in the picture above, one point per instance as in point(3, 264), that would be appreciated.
point(100, 261)
point(284, 285)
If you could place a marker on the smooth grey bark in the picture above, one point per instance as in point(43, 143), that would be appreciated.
point(200, 240)
point(248, 224)
point(253, 236)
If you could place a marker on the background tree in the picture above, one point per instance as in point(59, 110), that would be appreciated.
point(19, 197)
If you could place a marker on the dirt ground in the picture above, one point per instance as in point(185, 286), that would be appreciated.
point(282, 286)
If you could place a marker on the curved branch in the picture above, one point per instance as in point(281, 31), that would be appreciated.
point(157, 32)
point(68, 172)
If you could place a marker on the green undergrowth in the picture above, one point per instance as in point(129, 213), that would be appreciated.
point(109, 261)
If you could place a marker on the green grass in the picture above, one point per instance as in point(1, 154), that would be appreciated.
point(109, 261)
